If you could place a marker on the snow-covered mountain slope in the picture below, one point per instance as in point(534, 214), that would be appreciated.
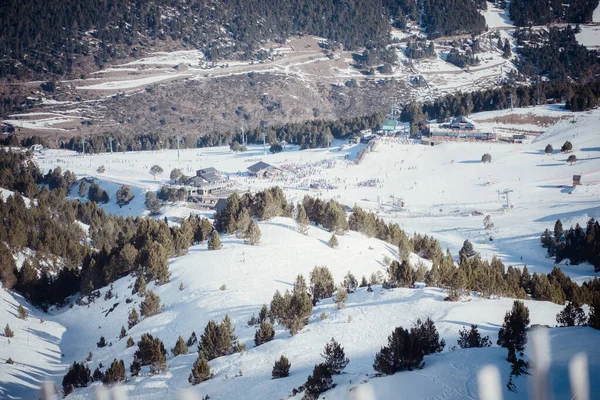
point(440, 186)
point(252, 274)
point(35, 349)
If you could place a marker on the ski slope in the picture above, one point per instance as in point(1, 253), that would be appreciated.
point(440, 185)
point(252, 274)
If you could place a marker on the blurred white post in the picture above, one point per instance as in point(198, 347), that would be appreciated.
point(488, 380)
point(541, 359)
point(578, 375)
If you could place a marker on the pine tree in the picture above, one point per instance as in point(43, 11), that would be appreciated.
point(8, 332)
point(472, 338)
point(341, 295)
point(130, 342)
point(571, 315)
point(135, 367)
point(151, 305)
point(281, 369)
point(513, 333)
point(123, 332)
point(82, 188)
point(427, 336)
point(335, 358)
point(548, 150)
point(214, 243)
point(318, 382)
point(402, 353)
point(115, 373)
point(265, 333)
point(302, 221)
point(139, 286)
point(572, 159)
point(467, 249)
point(486, 158)
point(78, 376)
point(133, 318)
point(263, 314)
point(23, 313)
point(350, 282)
point(321, 284)
point(200, 371)
point(333, 242)
point(594, 317)
point(242, 223)
point(192, 340)
point(101, 343)
point(252, 234)
point(215, 341)
point(151, 351)
point(567, 147)
point(180, 347)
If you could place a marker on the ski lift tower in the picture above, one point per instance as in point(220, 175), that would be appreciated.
point(505, 192)
point(178, 138)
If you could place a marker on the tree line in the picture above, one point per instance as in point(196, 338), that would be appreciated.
point(574, 244)
point(542, 12)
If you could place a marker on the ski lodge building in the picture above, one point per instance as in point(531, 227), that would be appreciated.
point(263, 170)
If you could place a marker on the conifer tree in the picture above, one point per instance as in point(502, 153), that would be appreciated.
point(200, 371)
point(151, 351)
point(548, 150)
point(321, 284)
point(78, 376)
point(139, 286)
point(427, 336)
point(594, 317)
point(350, 282)
point(151, 305)
point(82, 188)
point(252, 234)
point(23, 313)
point(263, 314)
point(243, 223)
point(402, 353)
point(115, 373)
point(123, 332)
point(513, 333)
point(265, 333)
point(8, 332)
point(467, 249)
point(318, 382)
point(281, 368)
point(335, 358)
point(472, 338)
point(130, 342)
point(302, 221)
point(192, 340)
point(333, 242)
point(571, 315)
point(133, 318)
point(341, 295)
point(101, 343)
point(180, 347)
point(214, 243)
point(215, 341)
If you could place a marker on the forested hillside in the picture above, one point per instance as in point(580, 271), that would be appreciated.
point(54, 37)
point(539, 12)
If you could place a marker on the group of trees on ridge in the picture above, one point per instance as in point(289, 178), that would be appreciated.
point(574, 244)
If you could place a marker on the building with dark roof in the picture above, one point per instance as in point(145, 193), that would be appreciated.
point(462, 122)
point(263, 170)
point(206, 181)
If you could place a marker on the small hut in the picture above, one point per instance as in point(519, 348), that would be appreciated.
point(576, 180)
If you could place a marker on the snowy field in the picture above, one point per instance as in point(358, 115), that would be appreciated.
point(440, 186)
